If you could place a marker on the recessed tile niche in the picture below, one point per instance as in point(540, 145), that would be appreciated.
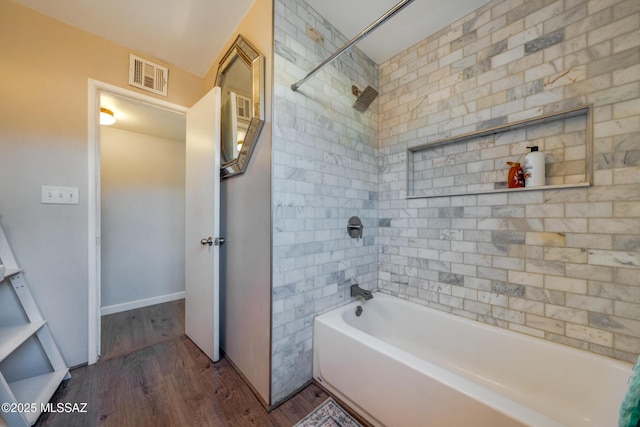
point(476, 163)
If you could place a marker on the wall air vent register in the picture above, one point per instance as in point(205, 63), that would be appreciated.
point(148, 76)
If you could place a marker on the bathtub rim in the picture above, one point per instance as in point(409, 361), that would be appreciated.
point(473, 323)
point(334, 320)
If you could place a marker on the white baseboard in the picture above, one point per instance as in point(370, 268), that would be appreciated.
point(117, 308)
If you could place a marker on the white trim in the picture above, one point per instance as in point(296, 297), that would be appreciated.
point(117, 308)
point(95, 88)
point(92, 200)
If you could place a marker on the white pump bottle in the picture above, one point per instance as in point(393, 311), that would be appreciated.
point(534, 168)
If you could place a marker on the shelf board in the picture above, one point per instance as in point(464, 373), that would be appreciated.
point(37, 390)
point(10, 272)
point(505, 190)
point(11, 337)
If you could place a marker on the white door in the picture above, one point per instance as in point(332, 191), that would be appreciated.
point(202, 224)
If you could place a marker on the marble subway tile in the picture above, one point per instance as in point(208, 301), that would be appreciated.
point(564, 254)
point(592, 272)
point(573, 250)
point(526, 305)
point(614, 258)
point(545, 295)
point(615, 324)
point(615, 291)
point(492, 274)
point(566, 77)
point(625, 309)
point(566, 225)
point(545, 239)
point(627, 242)
point(566, 284)
point(541, 15)
point(567, 314)
point(477, 307)
point(588, 241)
point(545, 324)
point(589, 334)
point(545, 41)
point(508, 289)
point(627, 344)
point(614, 226)
point(613, 29)
point(526, 278)
point(590, 303)
point(504, 313)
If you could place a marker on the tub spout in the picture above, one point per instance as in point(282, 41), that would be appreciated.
point(357, 291)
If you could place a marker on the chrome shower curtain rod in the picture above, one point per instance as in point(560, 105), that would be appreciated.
point(395, 9)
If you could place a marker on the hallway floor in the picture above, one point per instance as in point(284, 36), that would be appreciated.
point(151, 374)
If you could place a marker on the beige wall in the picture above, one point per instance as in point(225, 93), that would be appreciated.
point(44, 69)
point(142, 190)
point(246, 224)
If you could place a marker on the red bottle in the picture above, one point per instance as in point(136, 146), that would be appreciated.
point(516, 176)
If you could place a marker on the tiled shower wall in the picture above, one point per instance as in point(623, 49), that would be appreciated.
point(563, 264)
point(324, 171)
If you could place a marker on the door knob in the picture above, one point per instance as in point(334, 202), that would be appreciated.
point(207, 241)
point(219, 241)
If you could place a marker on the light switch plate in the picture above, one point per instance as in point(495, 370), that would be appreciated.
point(59, 195)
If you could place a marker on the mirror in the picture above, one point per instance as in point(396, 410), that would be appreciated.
point(241, 77)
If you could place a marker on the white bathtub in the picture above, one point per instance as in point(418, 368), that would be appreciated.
point(403, 364)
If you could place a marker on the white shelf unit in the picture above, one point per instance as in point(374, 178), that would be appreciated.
point(35, 390)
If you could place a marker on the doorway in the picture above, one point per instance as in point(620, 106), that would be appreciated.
point(134, 276)
point(142, 189)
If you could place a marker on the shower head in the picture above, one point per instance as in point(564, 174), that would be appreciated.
point(365, 97)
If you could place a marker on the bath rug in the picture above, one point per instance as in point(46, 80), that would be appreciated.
point(328, 414)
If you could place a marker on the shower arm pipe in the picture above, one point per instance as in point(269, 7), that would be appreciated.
point(395, 9)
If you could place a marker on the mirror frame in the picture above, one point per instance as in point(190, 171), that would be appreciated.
point(243, 50)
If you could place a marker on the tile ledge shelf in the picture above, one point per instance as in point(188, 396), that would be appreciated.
point(505, 190)
point(572, 112)
point(545, 118)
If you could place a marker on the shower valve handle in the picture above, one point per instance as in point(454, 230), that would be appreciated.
point(354, 227)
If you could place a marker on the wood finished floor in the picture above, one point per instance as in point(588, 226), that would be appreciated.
point(157, 377)
point(132, 330)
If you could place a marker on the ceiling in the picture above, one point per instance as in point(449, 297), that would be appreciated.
point(190, 34)
point(135, 116)
point(413, 23)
